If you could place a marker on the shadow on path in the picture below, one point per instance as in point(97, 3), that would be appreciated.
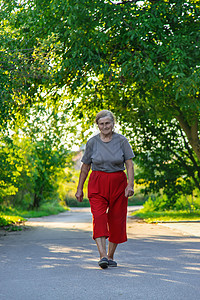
point(61, 263)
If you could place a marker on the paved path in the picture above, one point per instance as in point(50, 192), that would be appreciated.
point(186, 228)
point(56, 258)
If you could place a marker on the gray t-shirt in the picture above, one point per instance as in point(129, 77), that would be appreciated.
point(107, 156)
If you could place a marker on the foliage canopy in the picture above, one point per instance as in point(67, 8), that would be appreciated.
point(139, 60)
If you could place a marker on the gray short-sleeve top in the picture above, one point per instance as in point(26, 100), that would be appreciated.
point(107, 156)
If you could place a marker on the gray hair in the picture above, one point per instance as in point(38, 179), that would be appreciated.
point(103, 114)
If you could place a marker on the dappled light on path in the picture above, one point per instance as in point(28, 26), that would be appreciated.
point(57, 258)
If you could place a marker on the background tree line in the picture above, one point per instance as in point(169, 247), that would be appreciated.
point(64, 60)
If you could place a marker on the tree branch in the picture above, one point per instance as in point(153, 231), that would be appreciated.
point(191, 132)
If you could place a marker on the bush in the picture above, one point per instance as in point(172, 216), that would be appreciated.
point(184, 202)
point(6, 220)
point(155, 204)
point(190, 203)
point(3, 222)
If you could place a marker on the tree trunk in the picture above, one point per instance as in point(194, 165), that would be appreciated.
point(36, 201)
point(191, 132)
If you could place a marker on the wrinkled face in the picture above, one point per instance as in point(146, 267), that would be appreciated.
point(105, 125)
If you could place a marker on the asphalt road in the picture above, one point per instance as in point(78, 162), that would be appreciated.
point(56, 258)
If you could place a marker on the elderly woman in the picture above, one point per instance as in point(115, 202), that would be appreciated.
point(108, 189)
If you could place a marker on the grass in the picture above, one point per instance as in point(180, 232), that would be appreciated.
point(44, 210)
point(11, 222)
point(11, 218)
point(167, 216)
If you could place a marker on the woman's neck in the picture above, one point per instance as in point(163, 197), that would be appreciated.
point(106, 137)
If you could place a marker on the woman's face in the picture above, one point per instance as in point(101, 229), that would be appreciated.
point(105, 125)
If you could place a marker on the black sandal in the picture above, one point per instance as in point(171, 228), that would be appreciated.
point(112, 263)
point(103, 263)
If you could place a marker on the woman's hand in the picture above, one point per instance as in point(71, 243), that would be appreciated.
point(79, 195)
point(129, 191)
point(82, 177)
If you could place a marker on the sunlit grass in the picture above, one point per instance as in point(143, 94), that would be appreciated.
point(11, 222)
point(167, 216)
point(45, 210)
point(11, 216)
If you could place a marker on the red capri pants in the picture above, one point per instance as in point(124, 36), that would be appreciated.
point(106, 193)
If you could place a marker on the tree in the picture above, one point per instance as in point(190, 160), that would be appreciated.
point(147, 55)
point(11, 161)
point(150, 50)
point(47, 154)
point(164, 163)
point(26, 79)
point(25, 70)
point(118, 55)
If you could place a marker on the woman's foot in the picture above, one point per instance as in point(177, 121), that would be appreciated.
point(112, 263)
point(103, 263)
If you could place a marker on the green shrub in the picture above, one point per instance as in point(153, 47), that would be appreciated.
point(3, 222)
point(6, 220)
point(189, 202)
point(155, 204)
point(185, 202)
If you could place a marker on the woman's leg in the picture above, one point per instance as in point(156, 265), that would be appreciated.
point(111, 250)
point(101, 245)
point(117, 213)
point(99, 204)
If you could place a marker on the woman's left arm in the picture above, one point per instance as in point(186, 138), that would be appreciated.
point(129, 191)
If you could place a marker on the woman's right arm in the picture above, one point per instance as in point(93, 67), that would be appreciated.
point(83, 175)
